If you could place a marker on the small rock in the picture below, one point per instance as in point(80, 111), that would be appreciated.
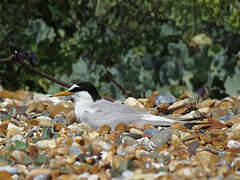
point(204, 110)
point(17, 138)
point(207, 103)
point(227, 116)
point(147, 142)
point(64, 107)
point(127, 174)
point(234, 120)
point(19, 156)
point(129, 141)
point(93, 177)
point(163, 108)
point(9, 169)
point(179, 126)
point(151, 100)
point(130, 101)
point(233, 144)
point(13, 130)
point(132, 135)
point(59, 126)
point(105, 129)
point(151, 132)
point(142, 100)
point(164, 99)
point(226, 104)
point(177, 105)
point(102, 144)
point(121, 127)
point(185, 135)
point(75, 150)
point(59, 119)
point(136, 131)
point(5, 175)
point(142, 176)
point(46, 123)
point(162, 137)
point(70, 117)
point(36, 172)
point(182, 110)
point(46, 143)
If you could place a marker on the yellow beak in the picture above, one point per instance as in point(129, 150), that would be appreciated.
point(64, 93)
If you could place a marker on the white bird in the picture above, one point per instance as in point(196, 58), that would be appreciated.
point(96, 111)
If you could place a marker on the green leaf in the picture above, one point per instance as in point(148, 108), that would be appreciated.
point(5, 117)
point(21, 146)
point(232, 85)
point(27, 159)
point(41, 159)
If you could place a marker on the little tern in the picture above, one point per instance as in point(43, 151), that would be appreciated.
point(92, 109)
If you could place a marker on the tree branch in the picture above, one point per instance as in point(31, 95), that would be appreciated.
point(22, 62)
point(6, 60)
point(125, 93)
point(14, 58)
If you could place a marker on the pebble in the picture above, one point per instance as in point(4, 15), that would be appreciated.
point(5, 175)
point(136, 131)
point(46, 122)
point(105, 129)
point(151, 132)
point(121, 127)
point(130, 101)
point(11, 170)
point(161, 137)
point(46, 143)
point(151, 100)
point(59, 119)
point(13, 130)
point(75, 150)
point(233, 144)
point(177, 105)
point(164, 99)
point(17, 138)
point(129, 140)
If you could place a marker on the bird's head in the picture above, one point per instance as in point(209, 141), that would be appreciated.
point(82, 90)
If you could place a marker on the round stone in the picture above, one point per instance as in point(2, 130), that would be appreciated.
point(164, 99)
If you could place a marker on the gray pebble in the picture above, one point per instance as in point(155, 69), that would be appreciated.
point(162, 137)
point(164, 99)
point(9, 169)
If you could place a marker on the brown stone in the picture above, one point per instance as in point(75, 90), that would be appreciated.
point(179, 126)
point(184, 96)
point(207, 103)
point(59, 126)
point(182, 110)
point(5, 175)
point(150, 101)
point(234, 120)
point(121, 127)
point(163, 108)
point(62, 107)
point(181, 153)
point(105, 129)
point(177, 105)
point(20, 95)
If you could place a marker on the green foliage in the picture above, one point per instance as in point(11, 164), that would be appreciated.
point(5, 117)
point(41, 159)
point(46, 134)
point(146, 45)
point(19, 145)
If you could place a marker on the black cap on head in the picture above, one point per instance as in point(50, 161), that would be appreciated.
point(89, 87)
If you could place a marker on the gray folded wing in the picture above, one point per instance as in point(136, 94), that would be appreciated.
point(113, 113)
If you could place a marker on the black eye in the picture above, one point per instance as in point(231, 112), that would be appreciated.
point(75, 89)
